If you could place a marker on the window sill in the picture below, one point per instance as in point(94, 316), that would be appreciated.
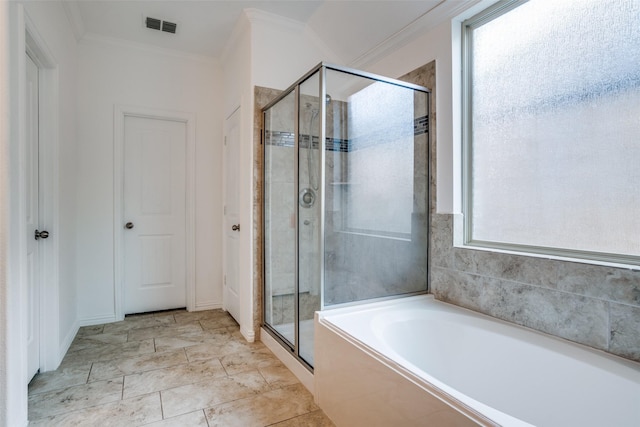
point(543, 253)
point(534, 253)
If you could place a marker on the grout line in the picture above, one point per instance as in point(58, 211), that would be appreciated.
point(89, 374)
point(161, 406)
point(205, 417)
point(609, 330)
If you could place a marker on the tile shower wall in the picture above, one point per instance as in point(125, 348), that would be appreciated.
point(363, 266)
point(262, 96)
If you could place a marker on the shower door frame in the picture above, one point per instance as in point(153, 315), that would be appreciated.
point(295, 87)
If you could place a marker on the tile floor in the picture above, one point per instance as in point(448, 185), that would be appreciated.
point(170, 369)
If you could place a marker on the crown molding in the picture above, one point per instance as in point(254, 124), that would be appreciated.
point(442, 12)
point(92, 38)
point(74, 16)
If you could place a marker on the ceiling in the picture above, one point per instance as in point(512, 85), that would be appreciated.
point(350, 28)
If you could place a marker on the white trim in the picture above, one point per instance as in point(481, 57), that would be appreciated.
point(189, 119)
point(14, 376)
point(212, 305)
point(458, 242)
point(68, 340)
point(463, 224)
point(298, 369)
point(50, 344)
point(248, 333)
point(442, 12)
point(97, 320)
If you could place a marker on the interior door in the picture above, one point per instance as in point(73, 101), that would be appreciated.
point(33, 217)
point(232, 229)
point(154, 214)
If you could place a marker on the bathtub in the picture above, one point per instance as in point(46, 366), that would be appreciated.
point(418, 361)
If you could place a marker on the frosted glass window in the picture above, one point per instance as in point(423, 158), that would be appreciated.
point(553, 127)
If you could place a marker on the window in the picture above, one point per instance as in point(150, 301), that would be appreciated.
point(552, 128)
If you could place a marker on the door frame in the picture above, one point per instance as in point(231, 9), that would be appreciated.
point(24, 36)
point(226, 168)
point(189, 119)
point(52, 348)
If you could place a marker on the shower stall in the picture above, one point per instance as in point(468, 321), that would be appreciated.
point(345, 214)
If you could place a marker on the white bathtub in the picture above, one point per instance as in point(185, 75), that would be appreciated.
point(418, 361)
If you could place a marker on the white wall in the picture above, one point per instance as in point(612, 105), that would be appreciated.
point(283, 50)
point(117, 74)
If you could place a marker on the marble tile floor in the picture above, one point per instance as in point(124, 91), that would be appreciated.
point(173, 368)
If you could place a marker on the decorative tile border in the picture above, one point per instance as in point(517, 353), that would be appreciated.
point(286, 139)
point(421, 125)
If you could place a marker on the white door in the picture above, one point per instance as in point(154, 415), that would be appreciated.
point(232, 227)
point(33, 217)
point(154, 214)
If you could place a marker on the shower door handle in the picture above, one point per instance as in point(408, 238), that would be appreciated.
point(235, 227)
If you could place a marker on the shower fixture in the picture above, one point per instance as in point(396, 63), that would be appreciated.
point(307, 197)
point(313, 173)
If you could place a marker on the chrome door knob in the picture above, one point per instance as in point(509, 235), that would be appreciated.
point(128, 225)
point(235, 227)
point(41, 234)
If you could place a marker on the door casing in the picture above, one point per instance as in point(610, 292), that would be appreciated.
point(52, 346)
point(120, 112)
point(231, 291)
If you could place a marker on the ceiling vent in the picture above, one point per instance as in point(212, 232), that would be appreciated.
point(160, 25)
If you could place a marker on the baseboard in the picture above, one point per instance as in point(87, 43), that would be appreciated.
point(98, 320)
point(300, 371)
point(208, 306)
point(248, 334)
point(66, 343)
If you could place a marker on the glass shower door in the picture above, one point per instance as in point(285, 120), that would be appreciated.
point(279, 218)
point(309, 193)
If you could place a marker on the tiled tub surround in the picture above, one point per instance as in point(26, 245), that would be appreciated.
point(465, 369)
point(173, 369)
point(593, 305)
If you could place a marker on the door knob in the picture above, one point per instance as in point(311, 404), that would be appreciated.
point(235, 227)
point(128, 225)
point(41, 234)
